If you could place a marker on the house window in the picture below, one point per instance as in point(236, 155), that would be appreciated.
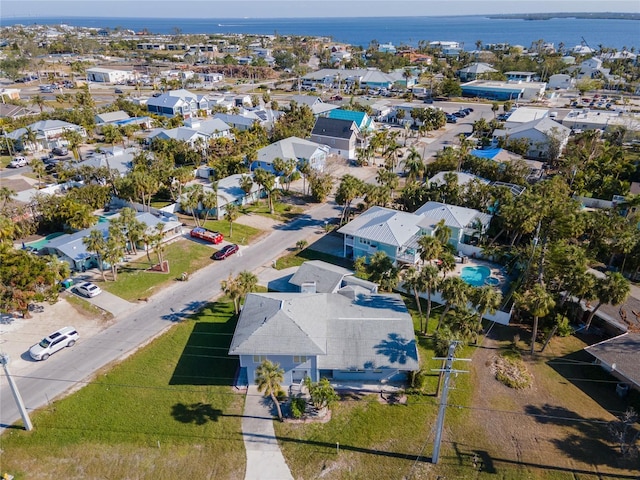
point(259, 358)
point(299, 358)
point(364, 241)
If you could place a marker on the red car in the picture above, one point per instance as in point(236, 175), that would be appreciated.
point(226, 251)
point(207, 235)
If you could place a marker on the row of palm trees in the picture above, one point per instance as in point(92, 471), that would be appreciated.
point(124, 233)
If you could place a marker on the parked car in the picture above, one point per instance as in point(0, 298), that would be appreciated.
point(88, 289)
point(18, 162)
point(226, 251)
point(60, 151)
point(118, 90)
point(65, 337)
point(451, 119)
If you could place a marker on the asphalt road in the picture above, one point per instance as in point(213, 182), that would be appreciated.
point(59, 374)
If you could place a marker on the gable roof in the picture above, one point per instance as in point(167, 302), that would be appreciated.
point(383, 225)
point(453, 216)
point(462, 177)
point(367, 331)
point(361, 119)
point(543, 125)
point(331, 127)
point(326, 276)
point(292, 147)
point(110, 117)
point(620, 355)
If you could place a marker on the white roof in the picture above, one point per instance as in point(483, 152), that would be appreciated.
point(457, 217)
point(383, 225)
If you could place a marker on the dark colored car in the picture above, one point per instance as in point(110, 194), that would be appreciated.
point(226, 251)
point(451, 118)
point(60, 151)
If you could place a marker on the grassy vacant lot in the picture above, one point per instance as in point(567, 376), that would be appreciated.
point(167, 412)
point(242, 234)
point(134, 281)
point(283, 212)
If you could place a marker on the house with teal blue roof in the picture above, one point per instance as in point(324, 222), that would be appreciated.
point(361, 119)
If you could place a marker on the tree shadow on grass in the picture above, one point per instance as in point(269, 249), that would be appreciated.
point(205, 359)
point(196, 413)
point(589, 440)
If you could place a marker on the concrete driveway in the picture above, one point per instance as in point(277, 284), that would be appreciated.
point(109, 302)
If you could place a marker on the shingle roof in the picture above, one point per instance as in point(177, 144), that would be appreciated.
point(327, 277)
point(368, 331)
point(383, 225)
point(620, 354)
point(330, 127)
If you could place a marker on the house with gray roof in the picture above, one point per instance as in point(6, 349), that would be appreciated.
point(341, 136)
point(619, 356)
point(342, 337)
point(539, 133)
point(317, 106)
point(475, 71)
point(240, 122)
point(71, 249)
point(49, 134)
point(178, 102)
point(113, 158)
point(298, 149)
point(316, 276)
point(397, 233)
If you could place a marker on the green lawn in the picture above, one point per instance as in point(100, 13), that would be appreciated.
point(298, 257)
point(169, 411)
point(242, 234)
point(283, 212)
point(134, 281)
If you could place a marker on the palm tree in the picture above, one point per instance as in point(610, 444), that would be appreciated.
point(231, 215)
point(5, 196)
point(7, 229)
point(486, 299)
point(454, 293)
point(612, 289)
point(209, 201)
point(248, 281)
point(269, 377)
point(39, 101)
point(350, 188)
point(96, 243)
point(442, 232)
point(231, 288)
point(414, 281)
point(413, 165)
point(38, 168)
point(538, 302)
point(157, 241)
point(431, 280)
point(429, 248)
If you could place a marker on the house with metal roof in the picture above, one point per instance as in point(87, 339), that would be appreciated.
point(339, 336)
point(340, 136)
point(121, 118)
point(317, 106)
point(475, 71)
point(71, 249)
point(178, 102)
point(397, 233)
point(49, 134)
point(361, 119)
point(298, 149)
point(109, 75)
point(113, 158)
point(241, 122)
point(539, 133)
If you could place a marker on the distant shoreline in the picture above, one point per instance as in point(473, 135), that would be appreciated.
point(550, 16)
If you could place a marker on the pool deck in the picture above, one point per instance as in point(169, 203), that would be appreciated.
point(496, 271)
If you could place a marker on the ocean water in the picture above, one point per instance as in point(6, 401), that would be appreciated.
point(466, 30)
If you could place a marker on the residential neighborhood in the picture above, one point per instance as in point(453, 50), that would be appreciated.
point(287, 256)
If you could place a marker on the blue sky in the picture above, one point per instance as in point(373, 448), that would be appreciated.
point(298, 8)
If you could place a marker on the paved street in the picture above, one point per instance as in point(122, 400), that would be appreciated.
point(147, 320)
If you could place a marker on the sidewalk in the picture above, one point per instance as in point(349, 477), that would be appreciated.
point(264, 458)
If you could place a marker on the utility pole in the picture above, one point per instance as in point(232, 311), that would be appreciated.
point(4, 360)
point(447, 370)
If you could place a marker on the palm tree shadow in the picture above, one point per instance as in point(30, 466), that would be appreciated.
point(196, 413)
point(398, 349)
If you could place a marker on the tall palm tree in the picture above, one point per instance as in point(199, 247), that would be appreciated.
point(486, 299)
point(539, 303)
point(612, 289)
point(96, 243)
point(429, 248)
point(414, 281)
point(413, 165)
point(38, 168)
point(231, 214)
point(232, 289)
point(209, 201)
point(5, 195)
point(269, 377)
point(442, 232)
point(454, 293)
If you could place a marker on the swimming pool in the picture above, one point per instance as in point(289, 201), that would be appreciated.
point(476, 275)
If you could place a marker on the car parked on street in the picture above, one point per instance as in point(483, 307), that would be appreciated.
point(226, 251)
point(65, 337)
point(60, 151)
point(88, 289)
point(18, 162)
